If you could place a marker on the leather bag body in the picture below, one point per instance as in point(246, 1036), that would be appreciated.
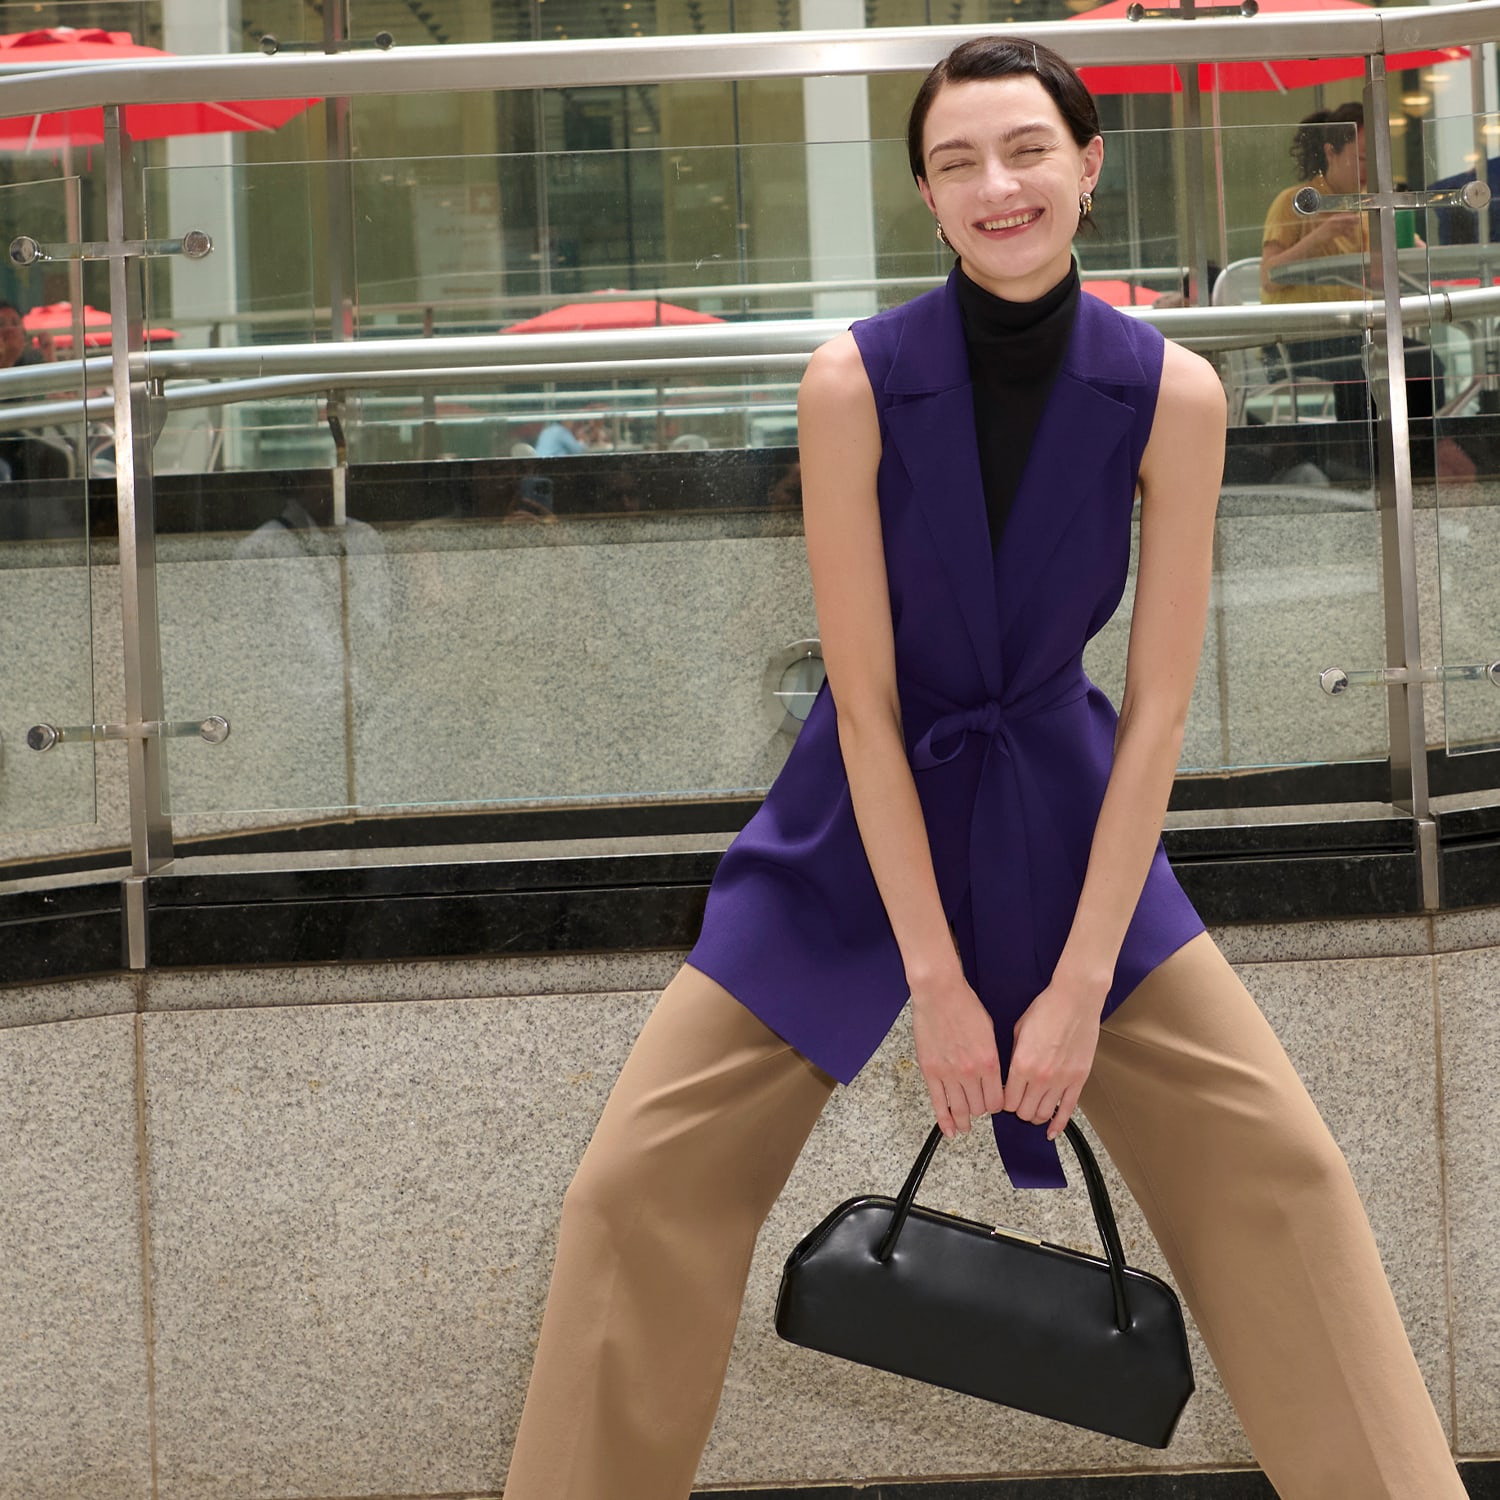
point(1085, 1340)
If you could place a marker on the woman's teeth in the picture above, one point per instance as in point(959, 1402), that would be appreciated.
point(1013, 222)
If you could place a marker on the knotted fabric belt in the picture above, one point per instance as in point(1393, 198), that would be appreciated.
point(1003, 967)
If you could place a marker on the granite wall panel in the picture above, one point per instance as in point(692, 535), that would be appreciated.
point(74, 1420)
point(1468, 987)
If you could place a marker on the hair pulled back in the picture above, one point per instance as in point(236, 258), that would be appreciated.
point(1320, 130)
point(1003, 57)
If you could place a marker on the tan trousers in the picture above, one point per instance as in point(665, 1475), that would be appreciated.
point(1196, 1104)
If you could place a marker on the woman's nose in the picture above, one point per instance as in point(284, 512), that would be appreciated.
point(999, 180)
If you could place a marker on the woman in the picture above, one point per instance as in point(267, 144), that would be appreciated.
point(1329, 152)
point(961, 786)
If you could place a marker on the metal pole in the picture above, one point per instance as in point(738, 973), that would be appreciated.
point(340, 210)
point(150, 821)
point(1197, 209)
point(1408, 728)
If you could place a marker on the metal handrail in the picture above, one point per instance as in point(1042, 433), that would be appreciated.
point(262, 372)
point(498, 66)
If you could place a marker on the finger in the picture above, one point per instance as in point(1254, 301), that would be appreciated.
point(1038, 1102)
point(974, 1098)
point(958, 1105)
point(940, 1108)
point(992, 1092)
point(1064, 1113)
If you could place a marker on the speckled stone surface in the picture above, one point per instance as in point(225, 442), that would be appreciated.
point(1274, 942)
point(69, 1000)
point(1104, 661)
point(354, 1211)
point(73, 1414)
point(45, 677)
point(1468, 987)
point(634, 654)
point(1466, 929)
point(354, 1205)
point(576, 671)
point(45, 826)
point(260, 640)
point(1300, 593)
point(342, 984)
point(1469, 553)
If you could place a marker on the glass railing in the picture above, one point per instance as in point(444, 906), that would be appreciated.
point(47, 623)
point(430, 532)
point(1463, 250)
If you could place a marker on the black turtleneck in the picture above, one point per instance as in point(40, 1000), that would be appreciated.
point(1015, 352)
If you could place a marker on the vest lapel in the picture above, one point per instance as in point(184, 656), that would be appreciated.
point(929, 416)
point(1081, 426)
point(930, 423)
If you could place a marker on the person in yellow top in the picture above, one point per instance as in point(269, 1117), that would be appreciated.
point(1329, 150)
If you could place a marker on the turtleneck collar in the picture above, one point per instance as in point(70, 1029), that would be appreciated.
point(988, 318)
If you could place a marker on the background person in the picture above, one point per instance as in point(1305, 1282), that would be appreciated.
point(1329, 152)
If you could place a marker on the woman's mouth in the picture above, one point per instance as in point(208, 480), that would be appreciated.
point(1004, 223)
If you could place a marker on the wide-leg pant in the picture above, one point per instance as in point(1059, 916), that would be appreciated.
point(1196, 1104)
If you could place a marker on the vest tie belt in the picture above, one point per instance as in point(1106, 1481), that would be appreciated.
point(1009, 818)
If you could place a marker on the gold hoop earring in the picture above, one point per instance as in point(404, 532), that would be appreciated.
point(942, 238)
point(1085, 205)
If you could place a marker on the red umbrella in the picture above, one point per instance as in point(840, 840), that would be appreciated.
point(56, 318)
point(1241, 77)
point(1121, 293)
point(595, 317)
point(85, 127)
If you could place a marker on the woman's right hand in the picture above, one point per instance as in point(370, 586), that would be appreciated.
point(956, 1052)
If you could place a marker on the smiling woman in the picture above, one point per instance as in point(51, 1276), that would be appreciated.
point(1007, 155)
point(966, 823)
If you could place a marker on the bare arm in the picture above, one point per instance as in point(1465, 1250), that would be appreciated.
point(1317, 241)
point(1180, 475)
point(839, 435)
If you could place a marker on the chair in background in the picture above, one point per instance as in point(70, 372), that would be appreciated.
point(1247, 374)
point(688, 441)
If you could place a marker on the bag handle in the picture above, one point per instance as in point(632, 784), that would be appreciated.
point(1104, 1214)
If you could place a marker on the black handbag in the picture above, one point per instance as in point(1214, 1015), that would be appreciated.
point(994, 1313)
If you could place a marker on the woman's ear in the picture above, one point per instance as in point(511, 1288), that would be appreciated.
point(1093, 163)
point(926, 193)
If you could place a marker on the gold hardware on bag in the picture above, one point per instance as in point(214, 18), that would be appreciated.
point(1015, 1234)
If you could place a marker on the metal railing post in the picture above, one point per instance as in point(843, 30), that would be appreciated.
point(1403, 640)
point(150, 820)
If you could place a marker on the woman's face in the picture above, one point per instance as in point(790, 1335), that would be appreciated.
point(1345, 172)
point(1004, 176)
point(12, 337)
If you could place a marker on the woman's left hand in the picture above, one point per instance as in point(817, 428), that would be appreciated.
point(1055, 1041)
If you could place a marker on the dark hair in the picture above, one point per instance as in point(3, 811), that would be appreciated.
point(1321, 129)
point(1003, 57)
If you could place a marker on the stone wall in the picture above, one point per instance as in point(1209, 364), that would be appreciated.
point(436, 664)
point(286, 1233)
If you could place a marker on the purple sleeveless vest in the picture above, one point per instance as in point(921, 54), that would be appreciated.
point(1010, 743)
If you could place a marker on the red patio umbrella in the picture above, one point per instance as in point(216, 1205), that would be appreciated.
point(56, 318)
point(85, 127)
point(1121, 293)
point(1243, 77)
point(597, 317)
